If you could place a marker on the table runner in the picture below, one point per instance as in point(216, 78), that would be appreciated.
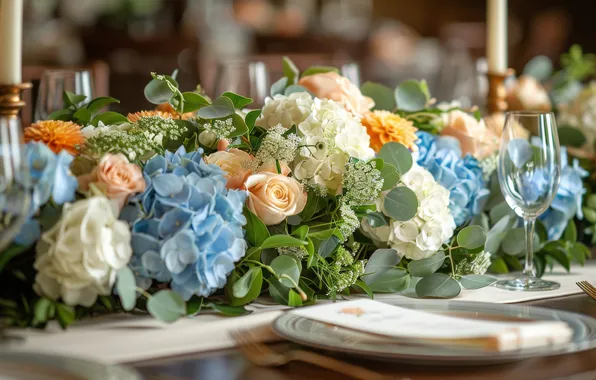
point(127, 338)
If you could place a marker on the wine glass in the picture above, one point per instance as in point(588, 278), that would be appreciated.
point(245, 78)
point(52, 86)
point(529, 175)
point(15, 185)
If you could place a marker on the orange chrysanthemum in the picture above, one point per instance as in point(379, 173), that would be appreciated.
point(57, 135)
point(384, 127)
point(134, 117)
point(167, 107)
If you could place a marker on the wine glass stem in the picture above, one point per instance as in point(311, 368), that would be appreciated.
point(529, 228)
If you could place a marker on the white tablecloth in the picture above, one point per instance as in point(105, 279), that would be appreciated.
point(127, 338)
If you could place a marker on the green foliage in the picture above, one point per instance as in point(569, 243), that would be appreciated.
point(411, 95)
point(382, 95)
point(319, 70)
point(392, 281)
point(166, 305)
point(569, 136)
point(539, 67)
point(438, 285)
point(290, 70)
point(380, 262)
point(126, 288)
point(396, 154)
point(400, 204)
point(471, 237)
point(476, 281)
point(220, 108)
point(279, 86)
point(426, 267)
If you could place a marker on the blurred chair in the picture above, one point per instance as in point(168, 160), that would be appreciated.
point(101, 84)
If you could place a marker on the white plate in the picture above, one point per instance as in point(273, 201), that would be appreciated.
point(323, 336)
point(23, 366)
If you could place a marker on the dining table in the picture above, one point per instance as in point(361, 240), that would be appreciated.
point(230, 364)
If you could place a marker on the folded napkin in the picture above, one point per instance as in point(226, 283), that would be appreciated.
point(394, 324)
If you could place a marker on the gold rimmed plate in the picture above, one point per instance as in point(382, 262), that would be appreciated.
point(338, 339)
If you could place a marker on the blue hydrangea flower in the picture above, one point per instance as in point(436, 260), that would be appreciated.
point(567, 202)
point(441, 156)
point(49, 177)
point(191, 230)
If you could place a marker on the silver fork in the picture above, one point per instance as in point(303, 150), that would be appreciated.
point(587, 288)
point(261, 355)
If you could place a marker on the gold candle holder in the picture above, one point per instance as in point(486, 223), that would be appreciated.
point(496, 100)
point(10, 99)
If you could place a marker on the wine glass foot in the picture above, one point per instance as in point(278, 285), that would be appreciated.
point(527, 284)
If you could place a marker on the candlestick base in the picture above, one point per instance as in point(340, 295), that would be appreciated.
point(10, 99)
point(496, 100)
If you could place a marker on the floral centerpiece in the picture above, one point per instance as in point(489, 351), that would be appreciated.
point(327, 190)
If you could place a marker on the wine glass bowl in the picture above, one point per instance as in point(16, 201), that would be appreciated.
point(529, 173)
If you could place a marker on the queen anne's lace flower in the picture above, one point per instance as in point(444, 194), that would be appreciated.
point(362, 182)
point(221, 128)
point(424, 234)
point(277, 147)
point(478, 265)
point(285, 110)
point(581, 114)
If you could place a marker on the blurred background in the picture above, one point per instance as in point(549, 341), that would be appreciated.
point(213, 41)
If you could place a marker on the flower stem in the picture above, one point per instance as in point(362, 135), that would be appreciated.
point(143, 292)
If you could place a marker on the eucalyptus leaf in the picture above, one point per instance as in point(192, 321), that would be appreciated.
point(410, 96)
point(428, 266)
point(514, 243)
point(294, 88)
point(126, 287)
point(396, 154)
point(400, 203)
point(194, 305)
point(239, 101)
point(438, 285)
point(376, 219)
point(279, 87)
point(285, 265)
point(495, 235)
point(365, 288)
point(244, 284)
point(166, 305)
point(390, 176)
point(471, 237)
point(392, 281)
point(277, 241)
point(221, 107)
point(382, 95)
point(501, 210)
point(279, 292)
point(328, 245)
point(379, 262)
point(477, 281)
point(158, 91)
point(97, 104)
point(193, 101)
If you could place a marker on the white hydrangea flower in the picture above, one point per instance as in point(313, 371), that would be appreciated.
point(330, 135)
point(433, 225)
point(285, 110)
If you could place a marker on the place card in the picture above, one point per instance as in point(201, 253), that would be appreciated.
point(420, 327)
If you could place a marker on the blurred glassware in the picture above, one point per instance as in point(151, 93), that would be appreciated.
point(243, 77)
point(52, 86)
point(347, 18)
point(15, 189)
point(352, 72)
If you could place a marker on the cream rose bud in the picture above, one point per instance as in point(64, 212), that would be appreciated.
point(273, 197)
point(236, 163)
point(333, 86)
point(78, 258)
point(116, 177)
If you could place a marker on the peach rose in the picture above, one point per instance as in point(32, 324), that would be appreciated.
point(333, 86)
point(115, 177)
point(527, 94)
point(235, 163)
point(496, 124)
point(273, 197)
point(473, 135)
point(272, 168)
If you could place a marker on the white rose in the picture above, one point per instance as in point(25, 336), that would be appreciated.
point(78, 258)
point(285, 110)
